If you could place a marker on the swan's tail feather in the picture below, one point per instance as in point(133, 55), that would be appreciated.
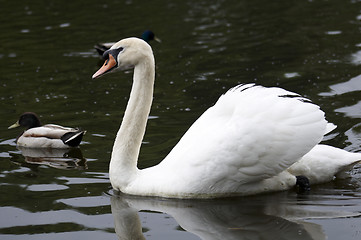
point(345, 172)
point(330, 127)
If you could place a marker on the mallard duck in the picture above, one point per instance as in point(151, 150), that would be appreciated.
point(253, 140)
point(146, 36)
point(46, 136)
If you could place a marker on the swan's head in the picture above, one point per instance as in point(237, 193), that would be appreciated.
point(125, 54)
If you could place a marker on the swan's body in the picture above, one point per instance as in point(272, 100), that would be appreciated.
point(146, 36)
point(46, 136)
point(247, 143)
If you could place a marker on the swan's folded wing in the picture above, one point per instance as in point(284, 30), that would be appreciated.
point(251, 133)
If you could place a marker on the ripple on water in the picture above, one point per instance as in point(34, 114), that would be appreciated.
point(101, 178)
point(46, 187)
point(356, 58)
point(92, 201)
point(52, 218)
point(354, 84)
point(353, 111)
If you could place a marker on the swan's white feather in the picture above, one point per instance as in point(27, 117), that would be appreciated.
point(253, 140)
point(251, 134)
point(323, 162)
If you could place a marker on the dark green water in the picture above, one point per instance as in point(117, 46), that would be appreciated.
point(47, 60)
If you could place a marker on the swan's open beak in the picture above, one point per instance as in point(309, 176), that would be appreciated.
point(109, 64)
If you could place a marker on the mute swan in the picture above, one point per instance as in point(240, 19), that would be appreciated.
point(47, 136)
point(253, 140)
point(146, 36)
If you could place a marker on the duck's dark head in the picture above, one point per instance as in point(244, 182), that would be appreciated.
point(149, 36)
point(27, 120)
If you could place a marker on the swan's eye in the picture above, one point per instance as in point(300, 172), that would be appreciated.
point(114, 52)
point(106, 55)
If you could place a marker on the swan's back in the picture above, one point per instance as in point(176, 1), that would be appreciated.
point(252, 133)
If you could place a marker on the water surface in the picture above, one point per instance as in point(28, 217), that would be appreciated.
point(47, 60)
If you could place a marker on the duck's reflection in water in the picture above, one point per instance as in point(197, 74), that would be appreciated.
point(71, 158)
point(241, 218)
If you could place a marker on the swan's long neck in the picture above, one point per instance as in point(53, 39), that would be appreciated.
point(123, 164)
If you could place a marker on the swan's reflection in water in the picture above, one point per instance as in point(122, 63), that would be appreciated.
point(260, 217)
point(71, 158)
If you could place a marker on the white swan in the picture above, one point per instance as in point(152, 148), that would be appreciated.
point(253, 140)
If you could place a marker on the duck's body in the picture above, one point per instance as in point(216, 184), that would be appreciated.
point(245, 144)
point(146, 36)
point(46, 136)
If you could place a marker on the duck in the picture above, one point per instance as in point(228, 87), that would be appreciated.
point(45, 136)
point(147, 36)
point(253, 140)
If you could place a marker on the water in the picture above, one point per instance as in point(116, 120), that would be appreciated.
point(47, 60)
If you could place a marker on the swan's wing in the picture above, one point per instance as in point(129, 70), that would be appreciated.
point(251, 133)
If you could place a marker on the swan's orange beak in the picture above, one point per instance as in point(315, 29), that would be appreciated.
point(109, 64)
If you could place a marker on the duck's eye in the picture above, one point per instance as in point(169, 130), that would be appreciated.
point(120, 49)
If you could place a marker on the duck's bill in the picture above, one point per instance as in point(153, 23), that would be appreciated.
point(157, 39)
point(108, 66)
point(14, 125)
